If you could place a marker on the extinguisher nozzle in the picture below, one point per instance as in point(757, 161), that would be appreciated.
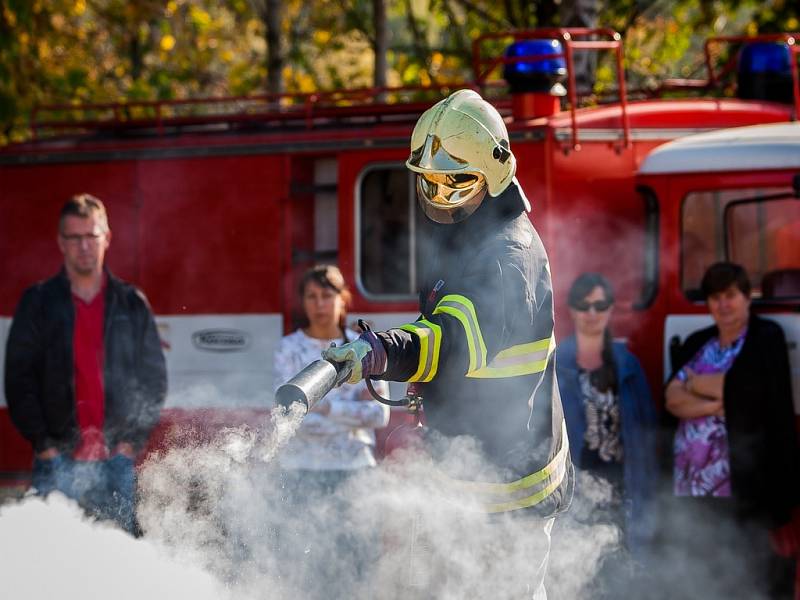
point(290, 393)
point(309, 386)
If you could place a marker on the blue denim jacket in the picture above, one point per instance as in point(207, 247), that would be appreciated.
point(639, 424)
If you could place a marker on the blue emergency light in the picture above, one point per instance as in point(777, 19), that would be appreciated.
point(765, 72)
point(536, 75)
point(764, 57)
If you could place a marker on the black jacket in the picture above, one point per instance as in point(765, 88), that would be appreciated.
point(495, 261)
point(760, 421)
point(39, 372)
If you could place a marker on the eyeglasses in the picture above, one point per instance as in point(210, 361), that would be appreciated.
point(76, 238)
point(597, 305)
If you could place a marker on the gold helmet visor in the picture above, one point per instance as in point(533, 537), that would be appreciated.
point(450, 198)
point(431, 156)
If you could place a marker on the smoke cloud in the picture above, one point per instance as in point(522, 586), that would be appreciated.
point(221, 520)
point(48, 549)
point(389, 532)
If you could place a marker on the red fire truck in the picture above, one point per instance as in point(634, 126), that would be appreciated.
point(218, 205)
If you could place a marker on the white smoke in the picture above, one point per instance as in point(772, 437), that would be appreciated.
point(222, 521)
point(48, 549)
point(389, 532)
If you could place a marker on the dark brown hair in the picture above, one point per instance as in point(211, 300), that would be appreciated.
point(722, 275)
point(326, 276)
point(84, 206)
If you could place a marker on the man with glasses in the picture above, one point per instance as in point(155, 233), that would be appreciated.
point(85, 376)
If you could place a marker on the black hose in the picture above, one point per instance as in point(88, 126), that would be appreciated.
point(404, 402)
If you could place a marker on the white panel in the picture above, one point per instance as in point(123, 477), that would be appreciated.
point(326, 222)
point(202, 374)
point(326, 171)
point(791, 329)
point(770, 146)
point(230, 365)
point(220, 360)
point(5, 324)
point(683, 325)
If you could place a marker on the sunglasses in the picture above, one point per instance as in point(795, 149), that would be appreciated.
point(597, 305)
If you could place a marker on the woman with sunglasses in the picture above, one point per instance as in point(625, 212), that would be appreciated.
point(611, 420)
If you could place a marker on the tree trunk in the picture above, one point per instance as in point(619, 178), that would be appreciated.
point(546, 13)
point(273, 18)
point(381, 42)
point(582, 13)
point(136, 55)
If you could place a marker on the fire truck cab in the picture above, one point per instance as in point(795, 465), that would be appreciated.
point(731, 194)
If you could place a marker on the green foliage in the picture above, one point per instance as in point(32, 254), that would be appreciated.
point(79, 51)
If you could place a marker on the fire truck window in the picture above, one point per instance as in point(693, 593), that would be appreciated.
point(388, 227)
point(763, 237)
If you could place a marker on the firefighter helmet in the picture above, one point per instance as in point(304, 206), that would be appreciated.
point(460, 151)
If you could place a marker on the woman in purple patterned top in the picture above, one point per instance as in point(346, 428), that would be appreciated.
point(736, 470)
point(702, 466)
point(702, 463)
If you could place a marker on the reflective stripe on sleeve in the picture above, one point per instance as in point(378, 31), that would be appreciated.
point(523, 493)
point(430, 340)
point(523, 359)
point(462, 309)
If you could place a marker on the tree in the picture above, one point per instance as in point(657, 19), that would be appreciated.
point(272, 14)
point(582, 13)
point(79, 51)
point(381, 42)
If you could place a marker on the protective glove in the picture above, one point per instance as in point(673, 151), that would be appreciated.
point(364, 356)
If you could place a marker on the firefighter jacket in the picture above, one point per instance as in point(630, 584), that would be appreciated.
point(483, 351)
point(39, 382)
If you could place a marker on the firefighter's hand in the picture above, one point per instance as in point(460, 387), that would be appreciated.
point(349, 356)
point(364, 357)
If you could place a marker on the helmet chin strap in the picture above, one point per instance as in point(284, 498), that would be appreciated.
point(459, 214)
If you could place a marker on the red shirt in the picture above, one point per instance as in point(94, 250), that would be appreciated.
point(88, 357)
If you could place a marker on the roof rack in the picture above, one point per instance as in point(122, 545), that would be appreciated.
point(306, 110)
point(310, 111)
point(715, 78)
point(572, 39)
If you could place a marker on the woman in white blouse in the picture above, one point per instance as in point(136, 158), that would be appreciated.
point(335, 440)
point(338, 435)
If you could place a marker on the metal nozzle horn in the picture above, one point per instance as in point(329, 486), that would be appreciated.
point(311, 384)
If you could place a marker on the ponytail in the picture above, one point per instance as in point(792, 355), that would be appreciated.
point(605, 378)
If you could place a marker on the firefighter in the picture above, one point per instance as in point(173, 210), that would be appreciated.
point(481, 351)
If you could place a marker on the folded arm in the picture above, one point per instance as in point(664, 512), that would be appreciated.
point(684, 403)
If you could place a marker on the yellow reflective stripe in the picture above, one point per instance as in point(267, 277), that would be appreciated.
point(523, 359)
point(428, 352)
point(525, 482)
point(532, 500)
point(462, 309)
point(552, 474)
